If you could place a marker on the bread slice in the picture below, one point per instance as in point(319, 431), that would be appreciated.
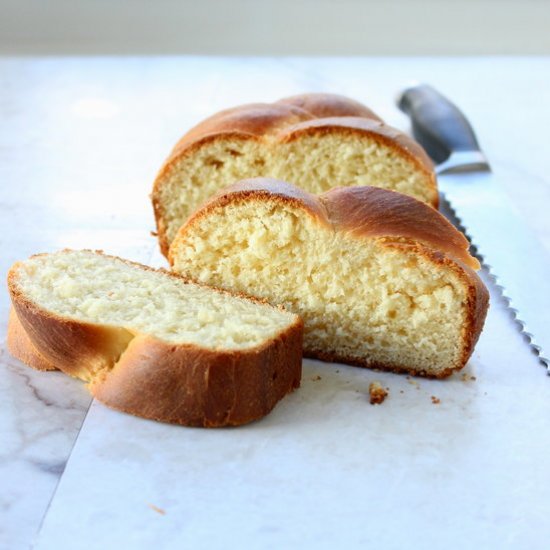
point(151, 343)
point(381, 279)
point(317, 141)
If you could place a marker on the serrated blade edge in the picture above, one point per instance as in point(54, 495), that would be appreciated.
point(504, 245)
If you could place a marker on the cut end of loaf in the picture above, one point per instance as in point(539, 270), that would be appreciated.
point(374, 298)
point(317, 151)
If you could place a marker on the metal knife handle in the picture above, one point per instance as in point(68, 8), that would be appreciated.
point(438, 125)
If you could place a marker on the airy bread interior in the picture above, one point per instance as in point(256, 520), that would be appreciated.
point(372, 301)
point(93, 288)
point(315, 162)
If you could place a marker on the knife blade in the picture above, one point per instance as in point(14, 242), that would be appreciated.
point(506, 247)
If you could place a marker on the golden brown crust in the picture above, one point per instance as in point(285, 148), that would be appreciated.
point(329, 105)
point(284, 121)
point(20, 346)
point(398, 221)
point(375, 212)
point(147, 377)
point(478, 304)
point(199, 387)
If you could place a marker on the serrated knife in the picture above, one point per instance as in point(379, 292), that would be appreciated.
point(513, 255)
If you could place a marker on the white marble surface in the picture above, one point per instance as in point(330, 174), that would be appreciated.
point(326, 469)
point(80, 141)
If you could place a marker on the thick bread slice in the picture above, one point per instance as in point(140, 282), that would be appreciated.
point(317, 141)
point(151, 343)
point(380, 279)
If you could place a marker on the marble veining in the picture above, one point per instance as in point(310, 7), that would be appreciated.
point(41, 416)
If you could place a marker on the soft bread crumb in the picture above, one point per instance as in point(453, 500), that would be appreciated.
point(377, 394)
point(100, 289)
point(435, 400)
point(359, 298)
point(160, 511)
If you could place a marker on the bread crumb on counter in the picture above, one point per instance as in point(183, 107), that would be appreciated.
point(315, 378)
point(377, 393)
point(435, 400)
point(157, 509)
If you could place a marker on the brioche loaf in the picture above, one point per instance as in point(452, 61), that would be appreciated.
point(381, 279)
point(151, 343)
point(317, 141)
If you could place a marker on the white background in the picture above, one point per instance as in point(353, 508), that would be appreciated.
point(275, 27)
